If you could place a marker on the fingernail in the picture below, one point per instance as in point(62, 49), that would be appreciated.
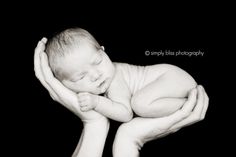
point(200, 87)
point(44, 40)
point(193, 91)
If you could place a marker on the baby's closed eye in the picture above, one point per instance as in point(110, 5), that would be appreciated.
point(97, 61)
point(80, 77)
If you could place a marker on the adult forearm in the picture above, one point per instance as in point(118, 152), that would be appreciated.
point(92, 139)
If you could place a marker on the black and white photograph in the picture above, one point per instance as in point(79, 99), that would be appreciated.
point(121, 82)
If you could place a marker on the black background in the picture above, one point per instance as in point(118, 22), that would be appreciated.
point(41, 127)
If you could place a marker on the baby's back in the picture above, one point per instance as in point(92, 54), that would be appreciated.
point(134, 75)
point(137, 76)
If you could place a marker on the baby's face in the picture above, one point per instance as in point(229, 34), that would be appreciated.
point(87, 70)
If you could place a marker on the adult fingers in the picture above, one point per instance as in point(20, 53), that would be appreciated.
point(37, 51)
point(63, 95)
point(44, 40)
point(200, 103)
point(47, 75)
point(37, 67)
point(46, 70)
point(206, 104)
point(181, 114)
point(66, 97)
point(190, 103)
point(195, 116)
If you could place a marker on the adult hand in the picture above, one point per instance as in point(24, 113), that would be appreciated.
point(132, 135)
point(96, 126)
point(193, 111)
point(56, 89)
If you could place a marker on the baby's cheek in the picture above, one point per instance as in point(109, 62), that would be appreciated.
point(66, 83)
point(71, 85)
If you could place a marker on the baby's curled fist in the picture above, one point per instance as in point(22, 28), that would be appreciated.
point(87, 101)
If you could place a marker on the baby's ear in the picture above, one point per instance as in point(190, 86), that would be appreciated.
point(103, 48)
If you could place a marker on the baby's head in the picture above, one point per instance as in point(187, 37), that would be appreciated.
point(79, 62)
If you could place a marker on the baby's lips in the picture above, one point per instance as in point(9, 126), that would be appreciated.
point(101, 82)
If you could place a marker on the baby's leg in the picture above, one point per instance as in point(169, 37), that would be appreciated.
point(160, 107)
point(164, 95)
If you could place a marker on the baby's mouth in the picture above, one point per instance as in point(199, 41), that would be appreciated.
point(102, 83)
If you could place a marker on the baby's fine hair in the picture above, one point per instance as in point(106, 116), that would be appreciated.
point(62, 43)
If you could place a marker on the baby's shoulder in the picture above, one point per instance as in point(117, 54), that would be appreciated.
point(163, 67)
point(160, 66)
point(125, 66)
point(120, 65)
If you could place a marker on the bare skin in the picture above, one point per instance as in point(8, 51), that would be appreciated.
point(96, 125)
point(89, 72)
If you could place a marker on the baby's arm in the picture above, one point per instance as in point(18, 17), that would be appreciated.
point(165, 94)
point(118, 110)
point(116, 106)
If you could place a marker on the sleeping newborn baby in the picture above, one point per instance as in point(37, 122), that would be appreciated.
point(115, 89)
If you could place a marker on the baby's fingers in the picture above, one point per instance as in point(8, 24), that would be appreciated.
point(83, 96)
point(82, 103)
point(84, 108)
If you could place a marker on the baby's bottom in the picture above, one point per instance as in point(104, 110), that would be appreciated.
point(163, 96)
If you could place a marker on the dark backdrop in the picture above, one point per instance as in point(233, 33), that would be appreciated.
point(43, 127)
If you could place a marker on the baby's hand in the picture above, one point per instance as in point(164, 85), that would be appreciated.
point(87, 101)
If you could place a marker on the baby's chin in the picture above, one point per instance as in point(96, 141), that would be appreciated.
point(96, 92)
point(100, 91)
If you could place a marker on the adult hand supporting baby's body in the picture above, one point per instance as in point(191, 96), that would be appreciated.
point(130, 136)
point(96, 126)
point(133, 135)
point(55, 88)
